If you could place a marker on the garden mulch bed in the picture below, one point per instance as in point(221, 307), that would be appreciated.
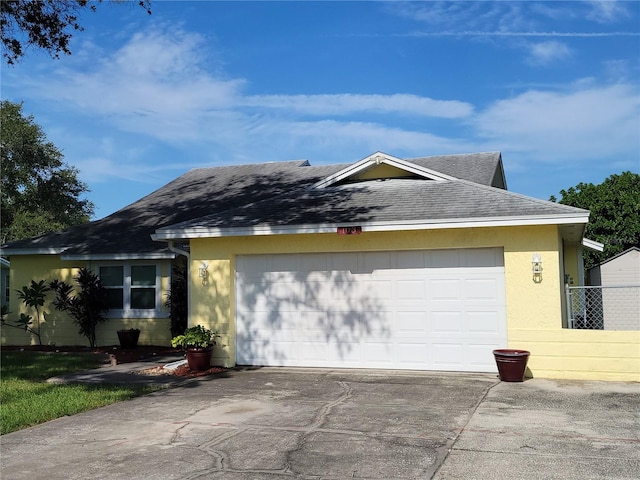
point(114, 354)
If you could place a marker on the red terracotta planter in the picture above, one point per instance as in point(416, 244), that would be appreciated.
point(199, 359)
point(511, 364)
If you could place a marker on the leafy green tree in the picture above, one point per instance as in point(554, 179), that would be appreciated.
point(87, 307)
point(44, 24)
point(615, 213)
point(39, 192)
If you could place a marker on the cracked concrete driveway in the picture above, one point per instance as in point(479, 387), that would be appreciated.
point(282, 424)
point(260, 424)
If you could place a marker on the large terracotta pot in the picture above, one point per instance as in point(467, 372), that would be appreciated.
point(511, 364)
point(199, 358)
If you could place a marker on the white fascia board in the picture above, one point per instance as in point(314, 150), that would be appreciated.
point(377, 159)
point(418, 170)
point(9, 252)
point(592, 245)
point(203, 232)
point(121, 256)
point(349, 171)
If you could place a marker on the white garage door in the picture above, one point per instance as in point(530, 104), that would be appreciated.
point(423, 310)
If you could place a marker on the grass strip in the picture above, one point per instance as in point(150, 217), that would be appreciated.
point(27, 400)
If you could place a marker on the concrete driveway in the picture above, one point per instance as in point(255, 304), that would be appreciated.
point(320, 424)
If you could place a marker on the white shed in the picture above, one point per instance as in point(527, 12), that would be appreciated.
point(619, 277)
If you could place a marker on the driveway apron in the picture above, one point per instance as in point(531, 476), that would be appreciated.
point(260, 424)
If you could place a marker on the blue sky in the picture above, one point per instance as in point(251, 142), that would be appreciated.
point(554, 86)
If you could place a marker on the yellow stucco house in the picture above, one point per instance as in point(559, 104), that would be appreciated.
point(425, 263)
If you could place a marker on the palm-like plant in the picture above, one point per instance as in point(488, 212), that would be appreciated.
point(33, 296)
point(88, 306)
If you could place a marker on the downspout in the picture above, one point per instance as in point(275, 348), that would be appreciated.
point(186, 254)
point(179, 251)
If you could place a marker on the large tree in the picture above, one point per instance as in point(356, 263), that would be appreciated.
point(615, 213)
point(39, 192)
point(44, 24)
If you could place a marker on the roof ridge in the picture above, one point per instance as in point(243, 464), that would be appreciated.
point(301, 163)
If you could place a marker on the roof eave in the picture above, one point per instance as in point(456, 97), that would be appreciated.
point(10, 252)
point(121, 256)
point(212, 232)
point(592, 245)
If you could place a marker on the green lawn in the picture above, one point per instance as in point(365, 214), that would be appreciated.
point(27, 400)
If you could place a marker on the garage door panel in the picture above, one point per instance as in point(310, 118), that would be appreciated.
point(411, 323)
point(441, 310)
point(446, 322)
point(412, 354)
point(445, 289)
point(448, 356)
point(411, 290)
point(485, 289)
point(483, 323)
point(479, 354)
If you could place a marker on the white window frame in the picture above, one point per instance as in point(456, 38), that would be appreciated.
point(127, 311)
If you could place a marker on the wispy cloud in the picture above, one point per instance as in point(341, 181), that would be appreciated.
point(348, 104)
point(524, 34)
point(545, 53)
point(582, 124)
point(157, 86)
point(607, 11)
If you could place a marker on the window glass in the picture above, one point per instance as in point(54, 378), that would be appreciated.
point(115, 298)
point(112, 276)
point(130, 287)
point(143, 298)
point(143, 275)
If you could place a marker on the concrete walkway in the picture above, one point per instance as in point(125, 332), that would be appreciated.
point(340, 424)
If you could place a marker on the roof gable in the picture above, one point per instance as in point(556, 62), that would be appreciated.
point(380, 166)
point(631, 252)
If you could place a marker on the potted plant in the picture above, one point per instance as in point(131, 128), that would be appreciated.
point(129, 338)
point(197, 342)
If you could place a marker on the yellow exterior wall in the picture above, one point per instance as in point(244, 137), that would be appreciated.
point(534, 310)
point(58, 328)
point(571, 263)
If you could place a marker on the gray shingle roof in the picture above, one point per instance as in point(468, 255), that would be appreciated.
point(483, 168)
point(280, 194)
point(388, 201)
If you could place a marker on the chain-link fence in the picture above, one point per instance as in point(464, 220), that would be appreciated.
point(604, 308)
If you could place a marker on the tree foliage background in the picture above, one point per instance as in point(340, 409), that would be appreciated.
point(39, 192)
point(45, 24)
point(615, 213)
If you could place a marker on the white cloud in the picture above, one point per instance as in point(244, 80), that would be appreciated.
point(156, 85)
point(585, 124)
point(348, 104)
point(465, 15)
point(545, 53)
point(607, 11)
